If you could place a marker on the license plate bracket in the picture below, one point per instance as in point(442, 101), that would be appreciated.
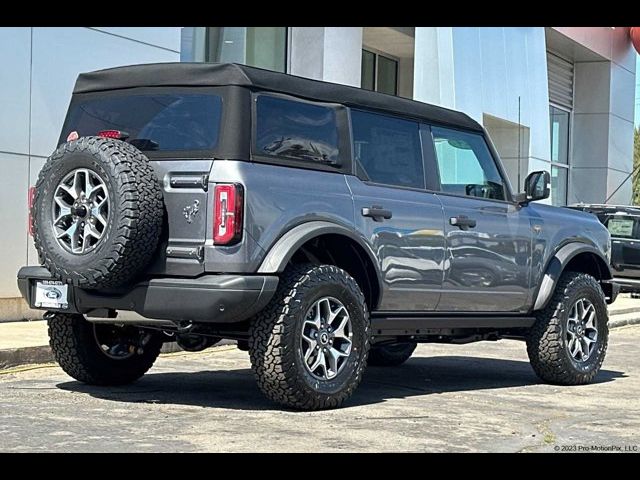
point(51, 294)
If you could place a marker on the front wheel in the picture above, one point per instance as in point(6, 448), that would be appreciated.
point(568, 342)
point(101, 354)
point(309, 346)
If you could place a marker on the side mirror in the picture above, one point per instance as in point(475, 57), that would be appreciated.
point(537, 186)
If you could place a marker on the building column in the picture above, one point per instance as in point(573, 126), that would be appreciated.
point(602, 139)
point(332, 54)
point(433, 72)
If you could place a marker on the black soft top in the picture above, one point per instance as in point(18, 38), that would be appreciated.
point(223, 74)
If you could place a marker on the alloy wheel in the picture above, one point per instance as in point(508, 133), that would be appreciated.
point(582, 331)
point(80, 211)
point(326, 338)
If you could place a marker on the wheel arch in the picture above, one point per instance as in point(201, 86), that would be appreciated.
point(326, 242)
point(577, 257)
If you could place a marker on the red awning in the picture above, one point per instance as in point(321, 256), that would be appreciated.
point(634, 32)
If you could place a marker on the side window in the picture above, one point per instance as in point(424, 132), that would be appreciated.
point(388, 149)
point(466, 165)
point(296, 130)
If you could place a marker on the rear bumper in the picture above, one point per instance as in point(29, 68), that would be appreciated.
point(208, 298)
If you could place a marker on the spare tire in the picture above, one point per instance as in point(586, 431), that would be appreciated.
point(97, 212)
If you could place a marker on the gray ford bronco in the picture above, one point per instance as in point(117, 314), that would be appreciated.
point(322, 227)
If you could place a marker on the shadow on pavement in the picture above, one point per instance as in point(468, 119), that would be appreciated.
point(236, 389)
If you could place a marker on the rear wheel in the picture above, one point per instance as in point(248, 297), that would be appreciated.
point(391, 355)
point(309, 346)
point(568, 342)
point(101, 354)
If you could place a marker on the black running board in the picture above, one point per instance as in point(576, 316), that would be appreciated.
point(425, 325)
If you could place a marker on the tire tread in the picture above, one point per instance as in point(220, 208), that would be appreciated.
point(272, 362)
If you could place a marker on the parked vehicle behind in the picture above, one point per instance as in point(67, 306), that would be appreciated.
point(321, 226)
point(623, 223)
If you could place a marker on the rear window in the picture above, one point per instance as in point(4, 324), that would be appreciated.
point(154, 122)
point(296, 130)
point(621, 227)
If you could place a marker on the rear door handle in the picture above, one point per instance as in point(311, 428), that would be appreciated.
point(377, 213)
point(463, 222)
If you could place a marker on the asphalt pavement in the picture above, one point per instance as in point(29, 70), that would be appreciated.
point(476, 397)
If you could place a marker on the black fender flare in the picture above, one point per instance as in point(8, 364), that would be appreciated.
point(556, 266)
point(281, 252)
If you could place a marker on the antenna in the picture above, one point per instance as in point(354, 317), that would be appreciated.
point(519, 143)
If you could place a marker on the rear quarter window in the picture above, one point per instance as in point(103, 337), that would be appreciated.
point(153, 122)
point(296, 130)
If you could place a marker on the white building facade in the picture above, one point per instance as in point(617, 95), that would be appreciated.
point(553, 98)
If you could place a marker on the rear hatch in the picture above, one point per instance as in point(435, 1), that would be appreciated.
point(178, 129)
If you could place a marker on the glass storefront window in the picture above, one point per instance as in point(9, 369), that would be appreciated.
point(559, 121)
point(368, 70)
point(264, 47)
point(559, 185)
point(387, 75)
point(379, 73)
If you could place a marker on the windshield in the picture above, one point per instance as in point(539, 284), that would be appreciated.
point(154, 122)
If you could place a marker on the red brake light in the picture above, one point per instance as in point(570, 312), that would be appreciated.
point(30, 199)
point(228, 207)
point(117, 134)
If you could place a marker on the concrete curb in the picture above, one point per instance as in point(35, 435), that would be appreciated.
point(14, 357)
point(623, 322)
point(622, 311)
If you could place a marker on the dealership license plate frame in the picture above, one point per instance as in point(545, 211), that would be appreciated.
point(51, 294)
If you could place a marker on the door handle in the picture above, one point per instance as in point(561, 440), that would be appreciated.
point(377, 213)
point(463, 222)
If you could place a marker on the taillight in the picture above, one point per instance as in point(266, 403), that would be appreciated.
point(227, 219)
point(30, 199)
point(117, 134)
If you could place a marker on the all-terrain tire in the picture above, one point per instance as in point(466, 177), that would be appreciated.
point(134, 221)
point(391, 355)
point(76, 349)
point(275, 339)
point(547, 343)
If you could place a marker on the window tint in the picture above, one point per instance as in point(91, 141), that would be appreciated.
point(296, 130)
point(388, 149)
point(466, 165)
point(152, 122)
